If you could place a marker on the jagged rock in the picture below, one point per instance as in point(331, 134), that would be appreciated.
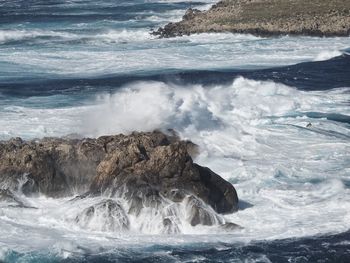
point(54, 167)
point(138, 170)
point(149, 166)
point(197, 213)
point(266, 18)
point(107, 215)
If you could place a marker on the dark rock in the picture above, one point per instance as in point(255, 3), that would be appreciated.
point(142, 166)
point(197, 213)
point(266, 18)
point(190, 14)
point(175, 195)
point(170, 227)
point(54, 167)
point(135, 206)
point(166, 169)
point(108, 216)
point(220, 196)
point(230, 226)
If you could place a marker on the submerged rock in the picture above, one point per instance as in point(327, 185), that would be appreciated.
point(197, 213)
point(228, 226)
point(144, 168)
point(107, 215)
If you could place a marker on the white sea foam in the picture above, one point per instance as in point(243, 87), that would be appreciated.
point(123, 36)
point(104, 37)
point(145, 53)
point(289, 178)
point(16, 35)
point(325, 55)
point(3, 252)
point(292, 180)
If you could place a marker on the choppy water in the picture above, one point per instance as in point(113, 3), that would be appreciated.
point(92, 68)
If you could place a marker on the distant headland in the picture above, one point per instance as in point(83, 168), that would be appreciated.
point(266, 18)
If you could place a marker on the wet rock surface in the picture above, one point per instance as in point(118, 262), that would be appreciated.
point(146, 169)
point(266, 18)
point(108, 216)
point(198, 214)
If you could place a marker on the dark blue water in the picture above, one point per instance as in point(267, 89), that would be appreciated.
point(322, 249)
point(323, 75)
point(62, 12)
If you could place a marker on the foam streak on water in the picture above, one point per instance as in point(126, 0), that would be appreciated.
point(114, 51)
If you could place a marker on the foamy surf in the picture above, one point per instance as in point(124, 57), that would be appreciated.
point(246, 132)
point(93, 69)
point(96, 54)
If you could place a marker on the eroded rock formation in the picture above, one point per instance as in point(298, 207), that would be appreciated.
point(146, 169)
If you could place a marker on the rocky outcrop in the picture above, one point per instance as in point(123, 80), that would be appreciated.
point(266, 18)
point(197, 213)
point(54, 167)
point(145, 169)
point(107, 216)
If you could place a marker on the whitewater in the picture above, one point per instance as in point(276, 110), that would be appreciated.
point(270, 115)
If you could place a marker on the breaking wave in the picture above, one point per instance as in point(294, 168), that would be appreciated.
point(109, 36)
point(253, 133)
point(92, 68)
point(325, 55)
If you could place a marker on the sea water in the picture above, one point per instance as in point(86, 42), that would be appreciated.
point(92, 68)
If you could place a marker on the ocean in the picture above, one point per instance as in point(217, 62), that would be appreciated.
point(86, 68)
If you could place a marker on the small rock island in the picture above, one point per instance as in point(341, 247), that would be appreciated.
point(148, 170)
point(266, 18)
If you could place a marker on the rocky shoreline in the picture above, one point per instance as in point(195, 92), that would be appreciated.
point(266, 18)
point(148, 170)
